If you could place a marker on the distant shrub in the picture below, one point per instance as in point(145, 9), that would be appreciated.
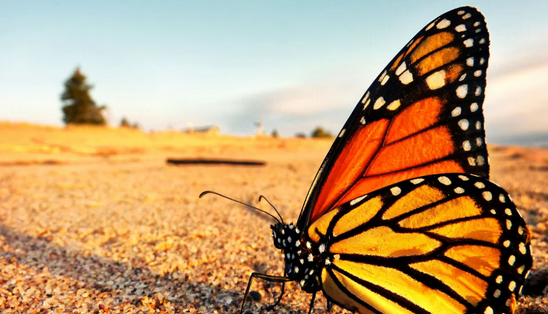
point(319, 132)
point(275, 133)
point(300, 135)
point(79, 107)
point(124, 123)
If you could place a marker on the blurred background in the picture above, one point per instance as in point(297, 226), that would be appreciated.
point(286, 66)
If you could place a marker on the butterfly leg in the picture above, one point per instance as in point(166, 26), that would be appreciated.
point(282, 279)
point(312, 303)
point(271, 307)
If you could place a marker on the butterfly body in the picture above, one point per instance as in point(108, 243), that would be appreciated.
point(401, 217)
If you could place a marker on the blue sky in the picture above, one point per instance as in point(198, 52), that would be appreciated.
point(293, 65)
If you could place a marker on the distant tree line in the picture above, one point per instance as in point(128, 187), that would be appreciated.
point(80, 108)
point(318, 132)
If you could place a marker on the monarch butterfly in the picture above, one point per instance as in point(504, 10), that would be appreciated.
point(401, 216)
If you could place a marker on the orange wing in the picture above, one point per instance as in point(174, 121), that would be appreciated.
point(449, 243)
point(423, 115)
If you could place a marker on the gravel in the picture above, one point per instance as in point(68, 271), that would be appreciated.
point(133, 237)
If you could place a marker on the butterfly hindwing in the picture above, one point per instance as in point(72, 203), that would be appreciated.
point(449, 243)
point(423, 115)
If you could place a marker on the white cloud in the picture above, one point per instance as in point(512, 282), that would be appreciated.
point(517, 101)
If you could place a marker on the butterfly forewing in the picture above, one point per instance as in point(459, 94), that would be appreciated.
point(450, 243)
point(422, 115)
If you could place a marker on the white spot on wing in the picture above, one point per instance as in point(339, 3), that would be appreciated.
point(459, 190)
point(469, 42)
point(385, 79)
point(487, 196)
point(362, 120)
point(436, 80)
point(480, 161)
point(444, 180)
point(462, 91)
point(366, 104)
point(522, 248)
point(466, 16)
point(456, 112)
point(342, 133)
point(460, 28)
point(443, 24)
point(466, 146)
point(357, 200)
point(365, 98)
point(471, 161)
point(394, 105)
point(406, 77)
point(470, 62)
point(464, 124)
point(379, 103)
point(401, 68)
point(474, 107)
point(381, 78)
point(499, 279)
point(502, 199)
point(479, 185)
point(395, 191)
point(463, 178)
point(417, 181)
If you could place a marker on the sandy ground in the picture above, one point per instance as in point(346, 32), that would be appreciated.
point(93, 220)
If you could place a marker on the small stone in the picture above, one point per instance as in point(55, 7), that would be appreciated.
point(255, 295)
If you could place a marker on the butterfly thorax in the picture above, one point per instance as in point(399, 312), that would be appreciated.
point(301, 262)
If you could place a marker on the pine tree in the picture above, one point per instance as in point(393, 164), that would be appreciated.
point(79, 107)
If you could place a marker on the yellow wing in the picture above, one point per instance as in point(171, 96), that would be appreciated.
point(450, 243)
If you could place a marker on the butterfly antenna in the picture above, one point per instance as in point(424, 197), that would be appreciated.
point(261, 197)
point(247, 205)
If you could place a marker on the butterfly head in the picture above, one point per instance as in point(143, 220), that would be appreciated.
point(286, 236)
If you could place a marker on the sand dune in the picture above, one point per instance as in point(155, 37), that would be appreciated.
point(92, 219)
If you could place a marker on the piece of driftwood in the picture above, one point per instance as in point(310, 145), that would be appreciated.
point(203, 161)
